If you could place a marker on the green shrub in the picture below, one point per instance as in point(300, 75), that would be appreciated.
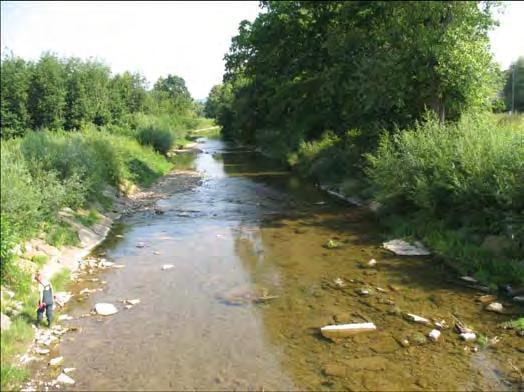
point(160, 139)
point(471, 170)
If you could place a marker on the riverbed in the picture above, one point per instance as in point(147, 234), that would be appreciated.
point(251, 285)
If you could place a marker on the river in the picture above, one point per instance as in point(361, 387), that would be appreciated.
point(247, 229)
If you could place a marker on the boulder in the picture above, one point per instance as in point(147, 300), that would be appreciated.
point(403, 248)
point(495, 307)
point(65, 379)
point(105, 309)
point(5, 322)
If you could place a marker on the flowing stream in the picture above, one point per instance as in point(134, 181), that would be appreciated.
point(251, 286)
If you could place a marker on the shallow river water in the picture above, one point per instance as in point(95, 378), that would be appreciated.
point(251, 229)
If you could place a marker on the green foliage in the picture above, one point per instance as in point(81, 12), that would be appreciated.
point(61, 279)
point(301, 69)
point(473, 167)
point(161, 139)
point(514, 86)
point(89, 218)
point(14, 341)
point(40, 260)
point(7, 243)
point(60, 234)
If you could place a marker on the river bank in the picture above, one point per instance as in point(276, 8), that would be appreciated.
point(62, 265)
point(251, 284)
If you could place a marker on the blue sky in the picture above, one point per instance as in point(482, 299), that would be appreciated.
point(188, 39)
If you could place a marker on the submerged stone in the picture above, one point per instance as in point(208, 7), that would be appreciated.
point(403, 248)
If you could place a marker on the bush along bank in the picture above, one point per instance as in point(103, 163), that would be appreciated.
point(457, 187)
point(60, 193)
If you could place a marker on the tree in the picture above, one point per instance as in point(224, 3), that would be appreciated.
point(47, 93)
point(172, 95)
point(514, 86)
point(15, 74)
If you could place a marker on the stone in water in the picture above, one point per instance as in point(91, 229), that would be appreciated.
point(416, 319)
point(495, 307)
point(343, 330)
point(167, 266)
point(65, 379)
point(403, 248)
point(104, 309)
point(434, 335)
point(468, 336)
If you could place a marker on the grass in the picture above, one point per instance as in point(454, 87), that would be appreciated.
point(88, 219)
point(61, 234)
point(14, 342)
point(61, 279)
point(40, 260)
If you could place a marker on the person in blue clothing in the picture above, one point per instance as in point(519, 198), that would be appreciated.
point(45, 299)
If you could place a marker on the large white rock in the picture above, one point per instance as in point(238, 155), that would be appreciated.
point(5, 322)
point(495, 307)
point(403, 248)
point(104, 309)
point(65, 379)
point(434, 335)
point(343, 330)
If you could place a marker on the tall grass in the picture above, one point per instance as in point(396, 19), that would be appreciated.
point(455, 184)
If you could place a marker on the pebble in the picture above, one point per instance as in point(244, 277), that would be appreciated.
point(372, 263)
point(140, 245)
point(69, 370)
point(416, 319)
point(434, 335)
point(167, 266)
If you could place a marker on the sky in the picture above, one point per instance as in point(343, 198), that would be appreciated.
point(188, 39)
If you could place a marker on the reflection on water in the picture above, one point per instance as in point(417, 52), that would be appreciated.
point(251, 286)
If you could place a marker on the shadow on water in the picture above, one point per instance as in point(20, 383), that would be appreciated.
point(252, 284)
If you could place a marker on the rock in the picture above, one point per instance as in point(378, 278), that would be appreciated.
point(57, 361)
point(495, 307)
point(519, 298)
point(106, 264)
point(416, 319)
point(372, 263)
point(105, 309)
point(332, 244)
point(167, 266)
point(403, 248)
point(118, 266)
point(442, 324)
point(468, 336)
point(65, 379)
point(128, 306)
point(334, 370)
point(468, 279)
point(486, 299)
point(140, 245)
point(417, 338)
point(339, 283)
point(343, 330)
point(64, 317)
point(404, 343)
point(25, 359)
point(69, 370)
point(62, 297)
point(5, 322)
point(119, 236)
point(41, 351)
point(156, 252)
point(86, 291)
point(381, 290)
point(434, 335)
point(364, 292)
point(132, 301)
